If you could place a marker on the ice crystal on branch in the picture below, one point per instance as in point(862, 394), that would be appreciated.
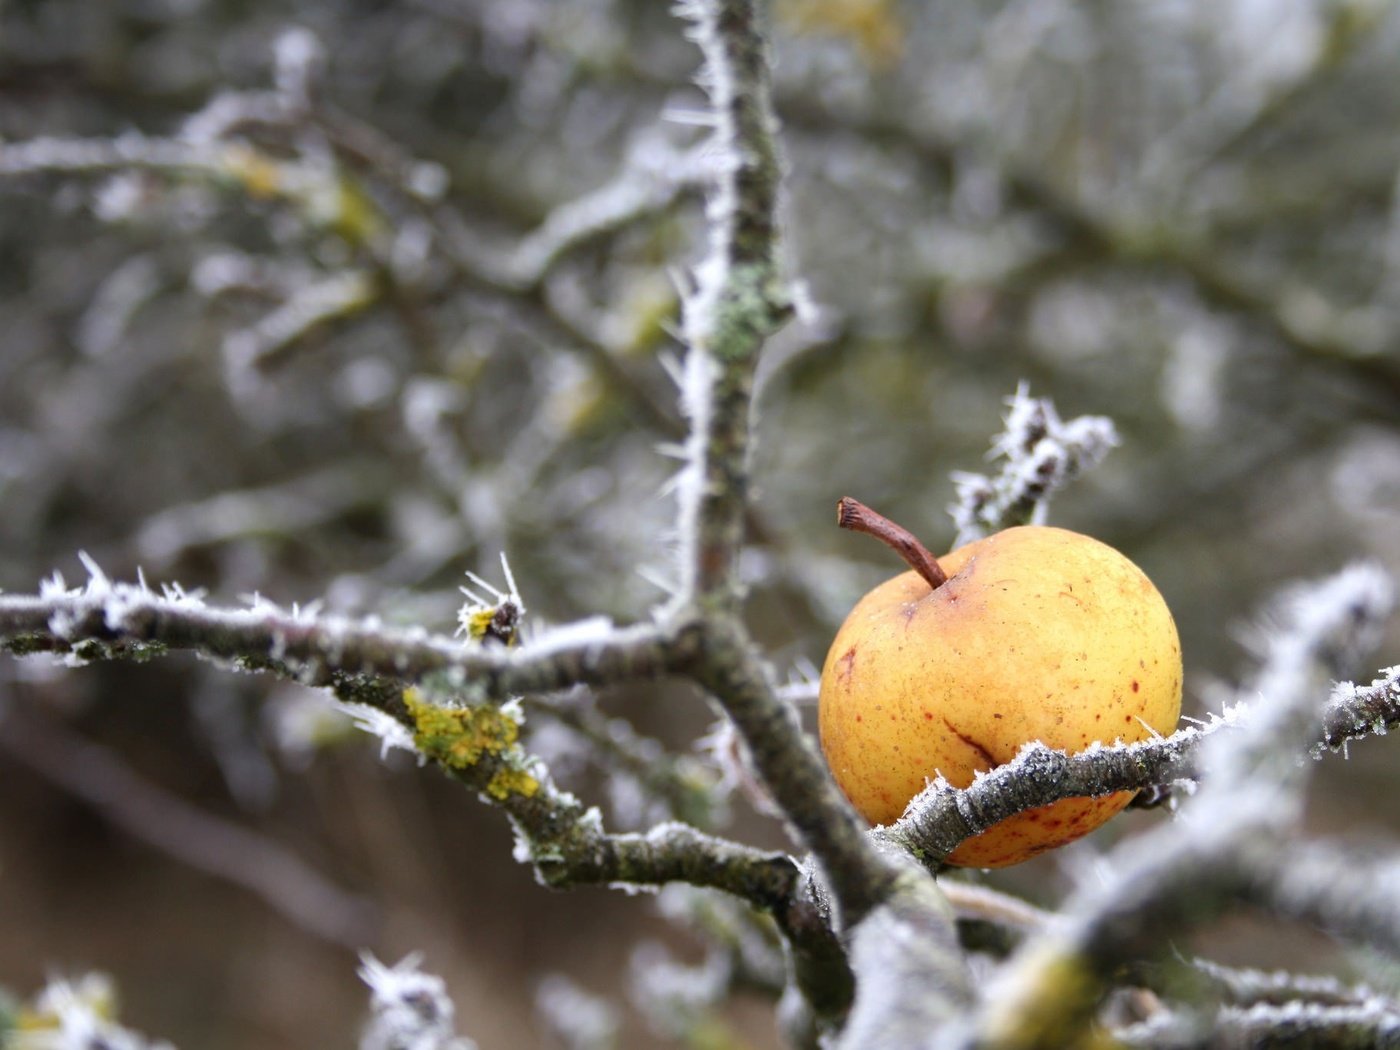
point(393, 735)
point(77, 1015)
point(495, 617)
point(1355, 711)
point(1041, 454)
point(411, 1009)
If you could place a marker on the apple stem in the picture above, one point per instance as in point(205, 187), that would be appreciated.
point(854, 515)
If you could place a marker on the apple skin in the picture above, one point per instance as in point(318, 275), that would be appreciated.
point(1039, 634)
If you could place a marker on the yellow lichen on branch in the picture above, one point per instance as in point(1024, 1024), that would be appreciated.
point(459, 736)
point(512, 781)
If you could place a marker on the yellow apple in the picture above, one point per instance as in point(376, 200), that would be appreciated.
point(1038, 633)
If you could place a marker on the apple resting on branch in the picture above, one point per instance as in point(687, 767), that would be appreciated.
point(1033, 633)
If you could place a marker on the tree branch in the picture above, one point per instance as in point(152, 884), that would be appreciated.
point(106, 620)
point(1354, 712)
point(942, 816)
point(740, 298)
point(792, 773)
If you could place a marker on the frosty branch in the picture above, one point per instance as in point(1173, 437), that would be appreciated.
point(738, 302)
point(106, 619)
point(366, 665)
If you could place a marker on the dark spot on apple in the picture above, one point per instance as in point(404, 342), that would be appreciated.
point(982, 752)
point(996, 714)
point(928, 716)
point(846, 664)
point(1136, 686)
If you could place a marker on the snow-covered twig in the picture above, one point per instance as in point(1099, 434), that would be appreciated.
point(1242, 986)
point(367, 664)
point(106, 619)
point(129, 152)
point(1354, 711)
point(1314, 634)
point(942, 816)
point(739, 298)
point(307, 309)
point(1041, 454)
point(1363, 1026)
